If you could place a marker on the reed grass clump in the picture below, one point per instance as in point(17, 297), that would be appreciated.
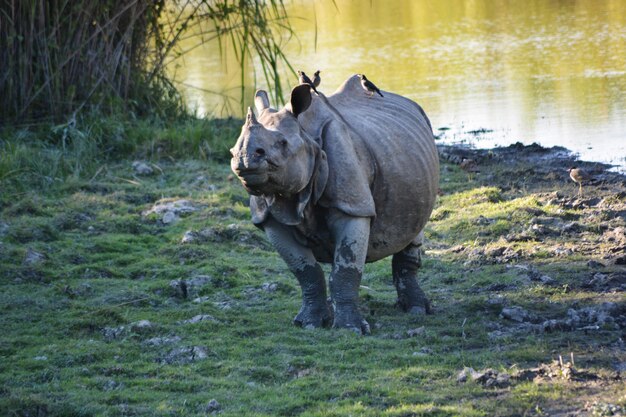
point(84, 82)
point(60, 57)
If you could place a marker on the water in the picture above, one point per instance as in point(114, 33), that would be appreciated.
point(487, 72)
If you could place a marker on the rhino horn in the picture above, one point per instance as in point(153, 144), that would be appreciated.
point(250, 118)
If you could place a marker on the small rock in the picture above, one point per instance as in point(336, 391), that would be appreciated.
point(111, 385)
point(483, 221)
point(495, 300)
point(595, 264)
point(213, 406)
point(515, 313)
point(41, 358)
point(572, 227)
point(495, 252)
point(112, 333)
point(169, 217)
point(160, 341)
point(416, 332)
point(199, 318)
point(189, 288)
point(606, 409)
point(546, 280)
point(223, 305)
point(489, 377)
point(562, 251)
point(269, 287)
point(296, 372)
point(423, 352)
point(33, 257)
point(141, 326)
point(178, 207)
point(141, 168)
point(185, 355)
point(465, 374)
point(189, 237)
point(502, 380)
point(553, 325)
point(603, 282)
point(497, 334)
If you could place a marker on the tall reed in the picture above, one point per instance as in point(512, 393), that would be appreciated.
point(59, 56)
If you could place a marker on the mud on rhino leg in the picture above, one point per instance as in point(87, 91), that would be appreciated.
point(404, 265)
point(351, 235)
point(315, 311)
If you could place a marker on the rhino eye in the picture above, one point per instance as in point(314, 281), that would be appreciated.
point(283, 143)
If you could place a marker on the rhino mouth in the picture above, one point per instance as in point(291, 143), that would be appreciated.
point(253, 178)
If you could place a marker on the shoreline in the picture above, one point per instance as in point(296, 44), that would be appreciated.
point(540, 166)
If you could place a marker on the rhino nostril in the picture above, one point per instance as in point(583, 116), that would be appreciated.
point(259, 152)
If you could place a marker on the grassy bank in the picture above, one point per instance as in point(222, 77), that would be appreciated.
point(50, 155)
point(115, 305)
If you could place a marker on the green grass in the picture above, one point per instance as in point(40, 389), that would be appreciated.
point(62, 156)
point(106, 265)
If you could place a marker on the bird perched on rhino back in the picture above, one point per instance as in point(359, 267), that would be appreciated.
point(304, 79)
point(369, 86)
point(579, 176)
point(316, 78)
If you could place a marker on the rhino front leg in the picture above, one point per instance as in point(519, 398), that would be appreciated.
point(300, 260)
point(351, 235)
point(404, 265)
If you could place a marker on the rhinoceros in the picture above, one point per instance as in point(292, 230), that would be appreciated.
point(344, 179)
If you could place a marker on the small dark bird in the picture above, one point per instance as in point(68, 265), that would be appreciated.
point(579, 176)
point(369, 86)
point(316, 78)
point(304, 79)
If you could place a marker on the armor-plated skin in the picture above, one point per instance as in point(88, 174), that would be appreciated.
point(345, 179)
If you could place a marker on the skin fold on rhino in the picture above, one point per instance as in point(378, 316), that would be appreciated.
point(344, 179)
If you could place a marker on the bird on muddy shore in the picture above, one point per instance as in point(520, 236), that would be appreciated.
point(316, 78)
point(579, 176)
point(304, 79)
point(369, 86)
point(470, 166)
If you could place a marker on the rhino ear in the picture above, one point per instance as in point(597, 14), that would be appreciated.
point(261, 101)
point(300, 99)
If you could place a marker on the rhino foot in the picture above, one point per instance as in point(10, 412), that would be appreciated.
point(350, 318)
point(411, 298)
point(313, 317)
point(415, 306)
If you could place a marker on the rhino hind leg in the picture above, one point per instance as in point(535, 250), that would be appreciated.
point(314, 311)
point(411, 298)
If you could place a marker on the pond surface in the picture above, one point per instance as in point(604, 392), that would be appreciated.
point(487, 72)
